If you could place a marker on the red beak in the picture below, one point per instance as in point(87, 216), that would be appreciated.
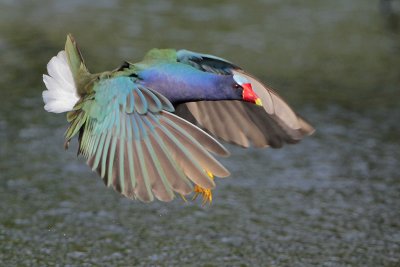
point(249, 95)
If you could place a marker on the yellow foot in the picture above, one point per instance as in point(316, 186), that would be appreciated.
point(205, 193)
point(183, 197)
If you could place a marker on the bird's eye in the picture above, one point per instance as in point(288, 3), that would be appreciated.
point(236, 86)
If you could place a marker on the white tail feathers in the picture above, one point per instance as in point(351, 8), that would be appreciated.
point(61, 94)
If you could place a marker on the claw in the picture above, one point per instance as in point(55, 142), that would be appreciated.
point(183, 197)
point(206, 193)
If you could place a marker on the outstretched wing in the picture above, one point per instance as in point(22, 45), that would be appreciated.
point(240, 122)
point(130, 137)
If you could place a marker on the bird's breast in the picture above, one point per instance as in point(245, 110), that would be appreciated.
point(179, 82)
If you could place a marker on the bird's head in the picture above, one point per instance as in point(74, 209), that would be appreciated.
point(248, 94)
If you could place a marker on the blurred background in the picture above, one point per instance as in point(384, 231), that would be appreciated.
point(332, 200)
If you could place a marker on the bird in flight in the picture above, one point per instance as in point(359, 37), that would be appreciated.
point(150, 129)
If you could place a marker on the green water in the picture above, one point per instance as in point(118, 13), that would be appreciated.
point(332, 200)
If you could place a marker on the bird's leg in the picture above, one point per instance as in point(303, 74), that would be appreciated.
point(206, 193)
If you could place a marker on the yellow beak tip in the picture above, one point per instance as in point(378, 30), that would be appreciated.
point(258, 102)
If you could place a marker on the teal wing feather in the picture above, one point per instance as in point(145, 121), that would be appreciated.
point(206, 62)
point(130, 137)
point(243, 123)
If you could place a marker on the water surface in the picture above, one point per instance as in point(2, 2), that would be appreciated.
point(332, 200)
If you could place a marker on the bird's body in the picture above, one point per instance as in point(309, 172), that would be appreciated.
point(130, 135)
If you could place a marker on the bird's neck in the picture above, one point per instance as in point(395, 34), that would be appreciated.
point(181, 83)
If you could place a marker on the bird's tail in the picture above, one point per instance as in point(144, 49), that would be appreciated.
point(67, 74)
point(76, 63)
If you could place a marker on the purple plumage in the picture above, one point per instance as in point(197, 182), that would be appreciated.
point(182, 83)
